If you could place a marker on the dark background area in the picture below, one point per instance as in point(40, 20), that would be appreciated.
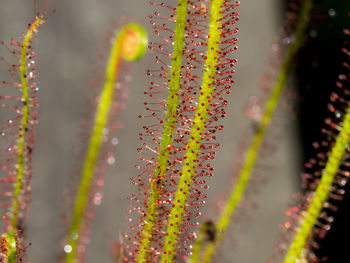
point(319, 65)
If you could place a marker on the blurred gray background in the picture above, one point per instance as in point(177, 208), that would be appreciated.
point(66, 47)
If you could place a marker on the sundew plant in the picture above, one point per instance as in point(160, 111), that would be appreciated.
point(154, 132)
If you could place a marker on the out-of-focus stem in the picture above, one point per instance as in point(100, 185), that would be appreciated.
point(322, 191)
point(119, 49)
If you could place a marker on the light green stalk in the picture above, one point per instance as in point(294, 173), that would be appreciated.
point(119, 48)
point(251, 155)
point(168, 133)
point(193, 146)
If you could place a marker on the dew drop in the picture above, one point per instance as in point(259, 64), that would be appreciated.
point(100, 182)
point(115, 141)
point(343, 182)
point(111, 160)
point(287, 225)
point(105, 131)
point(313, 33)
point(275, 47)
point(67, 249)
point(331, 12)
point(342, 77)
point(98, 198)
point(286, 40)
point(75, 236)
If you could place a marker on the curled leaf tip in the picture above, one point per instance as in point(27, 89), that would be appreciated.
point(134, 42)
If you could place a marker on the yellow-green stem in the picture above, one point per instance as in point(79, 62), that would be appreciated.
point(100, 122)
point(193, 146)
point(24, 126)
point(251, 155)
point(319, 197)
point(169, 125)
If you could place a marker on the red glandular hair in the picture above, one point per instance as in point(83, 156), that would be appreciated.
point(10, 125)
point(194, 56)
